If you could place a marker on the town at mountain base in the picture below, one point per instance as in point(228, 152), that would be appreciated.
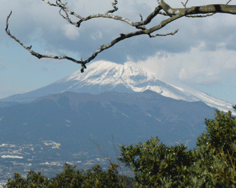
point(109, 104)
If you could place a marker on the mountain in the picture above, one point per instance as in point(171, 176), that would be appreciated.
point(45, 133)
point(7, 104)
point(104, 76)
point(66, 120)
point(70, 122)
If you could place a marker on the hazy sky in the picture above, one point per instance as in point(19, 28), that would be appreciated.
point(202, 54)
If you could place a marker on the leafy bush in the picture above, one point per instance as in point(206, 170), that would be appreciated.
point(210, 164)
point(71, 178)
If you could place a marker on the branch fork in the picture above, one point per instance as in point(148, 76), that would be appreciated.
point(162, 9)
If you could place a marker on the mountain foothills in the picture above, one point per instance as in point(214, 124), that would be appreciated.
point(75, 120)
point(104, 76)
point(109, 104)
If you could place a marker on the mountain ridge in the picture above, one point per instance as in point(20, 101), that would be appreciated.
point(69, 126)
point(140, 115)
point(104, 76)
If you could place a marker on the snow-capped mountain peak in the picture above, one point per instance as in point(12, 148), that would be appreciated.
point(103, 72)
point(131, 77)
point(117, 77)
point(104, 76)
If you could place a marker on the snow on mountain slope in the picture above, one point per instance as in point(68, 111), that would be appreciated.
point(109, 76)
point(104, 76)
point(131, 77)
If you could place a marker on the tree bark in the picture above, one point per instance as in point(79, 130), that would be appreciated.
point(163, 9)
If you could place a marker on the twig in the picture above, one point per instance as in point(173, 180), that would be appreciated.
point(63, 7)
point(163, 35)
point(113, 145)
point(39, 56)
point(115, 8)
point(102, 47)
point(200, 16)
point(228, 2)
point(99, 148)
point(184, 4)
point(163, 9)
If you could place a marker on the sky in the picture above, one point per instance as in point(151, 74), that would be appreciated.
point(201, 55)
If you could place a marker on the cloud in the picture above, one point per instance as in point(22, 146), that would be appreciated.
point(198, 66)
point(29, 17)
point(96, 35)
point(70, 31)
point(202, 51)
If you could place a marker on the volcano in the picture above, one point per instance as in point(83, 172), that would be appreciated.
point(104, 76)
point(65, 120)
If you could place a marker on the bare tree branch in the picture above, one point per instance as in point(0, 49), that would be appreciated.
point(195, 16)
point(163, 35)
point(115, 8)
point(40, 55)
point(200, 16)
point(205, 9)
point(101, 151)
point(67, 11)
point(163, 9)
point(228, 2)
point(185, 4)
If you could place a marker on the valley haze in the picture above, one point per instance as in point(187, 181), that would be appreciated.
point(64, 121)
point(104, 76)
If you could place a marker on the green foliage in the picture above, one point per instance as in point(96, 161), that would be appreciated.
point(214, 164)
point(221, 131)
point(210, 164)
point(157, 165)
point(33, 179)
point(234, 107)
point(71, 178)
